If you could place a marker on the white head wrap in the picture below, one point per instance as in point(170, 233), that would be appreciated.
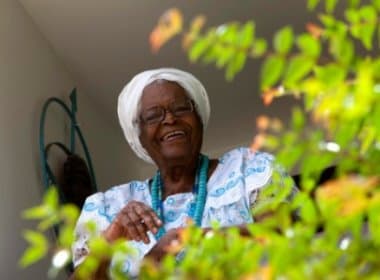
point(129, 100)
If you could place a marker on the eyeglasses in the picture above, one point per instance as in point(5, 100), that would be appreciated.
point(157, 114)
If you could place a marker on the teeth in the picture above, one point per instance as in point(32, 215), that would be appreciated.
point(173, 133)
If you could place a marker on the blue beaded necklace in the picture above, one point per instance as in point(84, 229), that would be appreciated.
point(199, 190)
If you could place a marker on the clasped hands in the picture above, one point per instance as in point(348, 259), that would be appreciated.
point(134, 222)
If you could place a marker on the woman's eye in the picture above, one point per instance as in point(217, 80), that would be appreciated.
point(152, 115)
point(183, 108)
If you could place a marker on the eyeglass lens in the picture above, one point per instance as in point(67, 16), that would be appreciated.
point(157, 114)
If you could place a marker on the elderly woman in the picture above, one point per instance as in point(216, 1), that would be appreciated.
point(163, 114)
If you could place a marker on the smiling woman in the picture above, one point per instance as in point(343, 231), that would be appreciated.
point(170, 130)
point(163, 114)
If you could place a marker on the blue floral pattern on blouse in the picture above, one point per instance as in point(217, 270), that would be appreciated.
point(232, 190)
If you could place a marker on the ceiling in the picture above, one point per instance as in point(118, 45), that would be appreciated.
point(104, 43)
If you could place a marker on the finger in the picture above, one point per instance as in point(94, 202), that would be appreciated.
point(130, 232)
point(143, 209)
point(137, 227)
point(151, 212)
point(149, 216)
point(130, 222)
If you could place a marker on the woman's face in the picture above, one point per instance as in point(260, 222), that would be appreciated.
point(174, 137)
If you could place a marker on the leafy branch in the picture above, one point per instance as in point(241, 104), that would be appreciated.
point(335, 68)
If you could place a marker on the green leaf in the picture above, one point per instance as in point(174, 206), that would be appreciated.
point(376, 4)
point(225, 54)
point(307, 209)
point(369, 16)
point(235, 65)
point(298, 120)
point(271, 142)
point(169, 263)
point(309, 45)
point(374, 222)
point(330, 5)
point(376, 68)
point(38, 212)
point(352, 16)
point(356, 30)
point(31, 256)
point(121, 246)
point(340, 29)
point(49, 222)
point(283, 40)
point(259, 47)
point(309, 101)
point(298, 68)
point(353, 4)
point(308, 184)
point(330, 75)
point(271, 71)
point(247, 34)
point(91, 227)
point(69, 213)
point(228, 33)
point(342, 49)
point(311, 4)
point(35, 238)
point(66, 236)
point(366, 35)
point(51, 198)
point(99, 246)
point(368, 137)
point(295, 150)
point(345, 133)
point(198, 49)
point(210, 55)
point(378, 37)
point(327, 20)
point(368, 13)
point(87, 267)
point(37, 250)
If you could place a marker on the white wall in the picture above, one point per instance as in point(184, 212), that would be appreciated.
point(29, 74)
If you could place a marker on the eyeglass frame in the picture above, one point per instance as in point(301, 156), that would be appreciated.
point(165, 111)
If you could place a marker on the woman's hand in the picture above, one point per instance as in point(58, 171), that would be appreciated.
point(159, 250)
point(133, 222)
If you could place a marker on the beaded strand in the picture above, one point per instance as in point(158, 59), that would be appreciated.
point(199, 190)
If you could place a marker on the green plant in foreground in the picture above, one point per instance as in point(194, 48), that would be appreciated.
point(334, 67)
point(280, 248)
point(50, 215)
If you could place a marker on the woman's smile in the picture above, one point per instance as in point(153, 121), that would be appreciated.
point(174, 135)
point(178, 134)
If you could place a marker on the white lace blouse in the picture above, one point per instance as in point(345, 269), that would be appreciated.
point(231, 192)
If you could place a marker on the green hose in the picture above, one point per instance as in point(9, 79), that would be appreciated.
point(47, 175)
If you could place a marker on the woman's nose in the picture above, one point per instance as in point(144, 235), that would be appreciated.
point(169, 117)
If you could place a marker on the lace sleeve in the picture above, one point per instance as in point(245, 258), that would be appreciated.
point(92, 211)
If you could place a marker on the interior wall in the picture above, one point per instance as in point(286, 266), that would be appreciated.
point(30, 72)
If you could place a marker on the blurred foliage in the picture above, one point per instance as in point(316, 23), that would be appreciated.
point(50, 215)
point(328, 230)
